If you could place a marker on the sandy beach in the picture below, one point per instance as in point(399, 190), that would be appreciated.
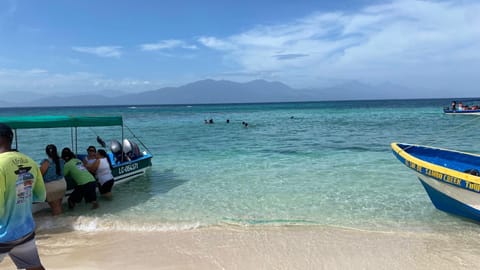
point(254, 248)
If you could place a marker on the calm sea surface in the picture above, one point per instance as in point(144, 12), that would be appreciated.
point(323, 163)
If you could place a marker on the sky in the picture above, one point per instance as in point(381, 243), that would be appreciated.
point(126, 46)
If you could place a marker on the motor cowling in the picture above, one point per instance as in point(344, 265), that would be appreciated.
point(131, 149)
point(115, 147)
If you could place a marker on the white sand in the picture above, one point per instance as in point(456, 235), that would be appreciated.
point(254, 248)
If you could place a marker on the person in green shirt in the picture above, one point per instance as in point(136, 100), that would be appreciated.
point(21, 183)
point(85, 183)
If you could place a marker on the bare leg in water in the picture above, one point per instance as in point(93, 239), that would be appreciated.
point(56, 207)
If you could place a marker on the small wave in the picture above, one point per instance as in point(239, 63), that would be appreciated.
point(107, 223)
point(96, 224)
point(270, 222)
point(371, 148)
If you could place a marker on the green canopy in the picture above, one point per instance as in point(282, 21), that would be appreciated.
point(54, 121)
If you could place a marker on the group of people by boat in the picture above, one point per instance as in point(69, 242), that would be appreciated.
point(95, 170)
point(84, 173)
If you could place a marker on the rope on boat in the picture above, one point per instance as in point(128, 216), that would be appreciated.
point(102, 143)
point(138, 139)
point(99, 139)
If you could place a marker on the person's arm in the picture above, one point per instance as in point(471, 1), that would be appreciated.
point(93, 166)
point(44, 166)
point(39, 192)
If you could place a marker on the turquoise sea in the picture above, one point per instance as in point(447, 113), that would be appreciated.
point(303, 164)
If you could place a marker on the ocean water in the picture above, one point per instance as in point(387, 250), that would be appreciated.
point(302, 164)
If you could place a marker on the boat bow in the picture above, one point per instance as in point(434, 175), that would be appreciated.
point(448, 177)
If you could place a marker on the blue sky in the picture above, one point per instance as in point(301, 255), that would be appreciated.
point(56, 46)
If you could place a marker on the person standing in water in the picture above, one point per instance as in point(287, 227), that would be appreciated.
point(102, 168)
point(85, 182)
point(52, 171)
point(21, 183)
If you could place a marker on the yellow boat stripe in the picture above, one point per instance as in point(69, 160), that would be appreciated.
point(461, 179)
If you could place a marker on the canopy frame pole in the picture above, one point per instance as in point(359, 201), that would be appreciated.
point(71, 136)
point(122, 144)
point(16, 139)
point(76, 141)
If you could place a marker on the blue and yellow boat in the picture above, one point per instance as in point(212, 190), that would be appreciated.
point(451, 178)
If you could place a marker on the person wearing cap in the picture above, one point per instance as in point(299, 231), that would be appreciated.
point(21, 184)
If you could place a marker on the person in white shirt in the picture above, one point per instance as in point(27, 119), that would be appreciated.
point(102, 168)
point(91, 155)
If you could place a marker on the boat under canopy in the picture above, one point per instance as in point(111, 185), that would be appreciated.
point(122, 170)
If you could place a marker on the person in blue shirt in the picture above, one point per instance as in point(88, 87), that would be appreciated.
point(55, 184)
point(21, 183)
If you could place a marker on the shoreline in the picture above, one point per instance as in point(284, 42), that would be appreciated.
point(231, 247)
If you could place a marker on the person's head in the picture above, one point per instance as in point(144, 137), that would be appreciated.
point(51, 151)
point(67, 154)
point(91, 150)
point(101, 153)
point(6, 137)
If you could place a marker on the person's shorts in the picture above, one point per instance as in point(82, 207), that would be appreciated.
point(87, 191)
point(55, 189)
point(90, 192)
point(24, 255)
point(106, 187)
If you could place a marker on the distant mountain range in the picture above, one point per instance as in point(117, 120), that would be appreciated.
point(211, 92)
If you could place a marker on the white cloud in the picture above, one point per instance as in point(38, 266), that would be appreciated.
point(382, 42)
point(167, 44)
point(43, 81)
point(102, 51)
point(414, 43)
point(36, 71)
point(216, 43)
point(125, 83)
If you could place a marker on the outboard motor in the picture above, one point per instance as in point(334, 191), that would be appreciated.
point(127, 146)
point(117, 152)
point(135, 151)
point(131, 149)
point(115, 147)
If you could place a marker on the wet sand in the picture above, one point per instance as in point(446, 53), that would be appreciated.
point(254, 248)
